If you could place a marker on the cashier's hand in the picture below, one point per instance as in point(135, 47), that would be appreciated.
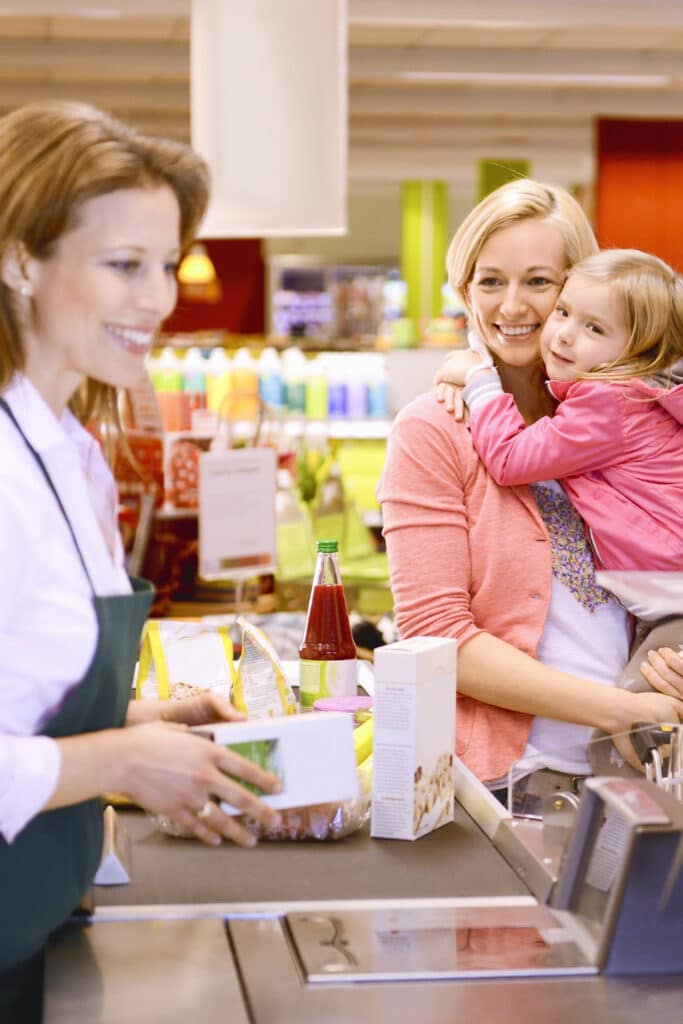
point(172, 772)
point(202, 709)
point(663, 670)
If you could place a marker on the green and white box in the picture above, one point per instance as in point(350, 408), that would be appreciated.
point(414, 737)
point(312, 755)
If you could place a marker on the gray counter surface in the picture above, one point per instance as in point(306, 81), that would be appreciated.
point(151, 955)
point(456, 860)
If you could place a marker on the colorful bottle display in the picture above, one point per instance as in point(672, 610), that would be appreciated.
point(327, 654)
point(333, 385)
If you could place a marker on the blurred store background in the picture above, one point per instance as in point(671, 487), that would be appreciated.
point(312, 340)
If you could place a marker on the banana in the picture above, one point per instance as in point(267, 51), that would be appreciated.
point(362, 740)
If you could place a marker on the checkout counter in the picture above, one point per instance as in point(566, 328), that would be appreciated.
point(489, 919)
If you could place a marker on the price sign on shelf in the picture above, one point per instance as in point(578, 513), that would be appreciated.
point(237, 513)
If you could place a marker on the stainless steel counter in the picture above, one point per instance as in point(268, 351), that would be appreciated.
point(306, 932)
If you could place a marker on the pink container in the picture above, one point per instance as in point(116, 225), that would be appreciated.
point(359, 707)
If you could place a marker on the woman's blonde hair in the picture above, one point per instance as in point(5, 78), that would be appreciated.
point(53, 158)
point(518, 200)
point(650, 295)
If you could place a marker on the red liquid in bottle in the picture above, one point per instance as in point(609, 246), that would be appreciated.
point(327, 636)
point(327, 655)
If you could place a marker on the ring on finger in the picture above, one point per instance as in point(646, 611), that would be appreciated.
point(204, 811)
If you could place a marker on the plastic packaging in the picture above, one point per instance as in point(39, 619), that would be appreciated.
point(168, 384)
point(357, 388)
point(271, 388)
point(179, 659)
point(294, 370)
point(293, 532)
point(316, 389)
point(260, 688)
point(378, 386)
point(327, 654)
point(244, 393)
point(337, 388)
point(359, 707)
point(194, 377)
point(218, 381)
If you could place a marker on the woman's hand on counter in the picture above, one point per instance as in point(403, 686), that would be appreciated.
point(643, 707)
point(175, 773)
point(202, 709)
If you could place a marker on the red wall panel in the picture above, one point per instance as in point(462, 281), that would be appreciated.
point(639, 195)
point(241, 308)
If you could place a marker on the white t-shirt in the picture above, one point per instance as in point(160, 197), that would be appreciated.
point(586, 633)
point(48, 629)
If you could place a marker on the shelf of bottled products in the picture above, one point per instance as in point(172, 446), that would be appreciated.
point(345, 394)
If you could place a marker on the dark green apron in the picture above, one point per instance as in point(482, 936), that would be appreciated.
point(45, 872)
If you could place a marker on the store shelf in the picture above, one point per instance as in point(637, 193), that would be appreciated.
point(353, 430)
point(299, 426)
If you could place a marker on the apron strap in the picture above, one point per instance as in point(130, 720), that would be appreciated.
point(48, 479)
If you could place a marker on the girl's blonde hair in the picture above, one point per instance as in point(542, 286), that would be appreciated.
point(53, 158)
point(518, 200)
point(650, 295)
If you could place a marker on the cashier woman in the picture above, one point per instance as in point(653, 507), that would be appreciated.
point(93, 217)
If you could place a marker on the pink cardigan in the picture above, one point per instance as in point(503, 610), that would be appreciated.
point(618, 449)
point(466, 557)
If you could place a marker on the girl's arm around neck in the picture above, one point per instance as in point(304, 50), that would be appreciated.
point(584, 435)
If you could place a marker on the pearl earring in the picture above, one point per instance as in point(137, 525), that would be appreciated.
point(23, 289)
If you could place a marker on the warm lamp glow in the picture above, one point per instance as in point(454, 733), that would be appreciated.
point(196, 267)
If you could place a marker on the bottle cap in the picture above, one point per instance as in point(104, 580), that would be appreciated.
point(328, 546)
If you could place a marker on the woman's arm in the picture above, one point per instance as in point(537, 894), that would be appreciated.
point(493, 671)
point(168, 770)
point(429, 524)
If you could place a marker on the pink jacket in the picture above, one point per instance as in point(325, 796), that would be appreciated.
point(466, 556)
point(618, 449)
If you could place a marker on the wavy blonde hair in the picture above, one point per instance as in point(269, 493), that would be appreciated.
point(53, 158)
point(650, 295)
point(518, 200)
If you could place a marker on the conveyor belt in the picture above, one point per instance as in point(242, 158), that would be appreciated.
point(456, 860)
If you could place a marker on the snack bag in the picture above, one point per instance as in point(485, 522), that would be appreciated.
point(260, 688)
point(180, 659)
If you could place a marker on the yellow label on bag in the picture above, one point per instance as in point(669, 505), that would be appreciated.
point(174, 651)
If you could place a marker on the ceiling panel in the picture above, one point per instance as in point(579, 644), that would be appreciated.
point(487, 80)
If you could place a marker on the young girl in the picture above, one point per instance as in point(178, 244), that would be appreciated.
point(616, 439)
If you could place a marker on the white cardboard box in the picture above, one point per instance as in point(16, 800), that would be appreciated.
point(313, 755)
point(414, 737)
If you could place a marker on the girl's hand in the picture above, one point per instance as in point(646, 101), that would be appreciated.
point(175, 773)
point(663, 670)
point(449, 379)
point(452, 399)
point(456, 366)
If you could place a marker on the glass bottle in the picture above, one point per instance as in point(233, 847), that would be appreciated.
point(327, 654)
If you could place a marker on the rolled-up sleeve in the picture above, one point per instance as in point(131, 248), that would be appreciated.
point(29, 772)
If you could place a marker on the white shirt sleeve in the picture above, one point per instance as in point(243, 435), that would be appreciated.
point(29, 771)
point(48, 627)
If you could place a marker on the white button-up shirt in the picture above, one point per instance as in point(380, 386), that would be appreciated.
point(48, 629)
